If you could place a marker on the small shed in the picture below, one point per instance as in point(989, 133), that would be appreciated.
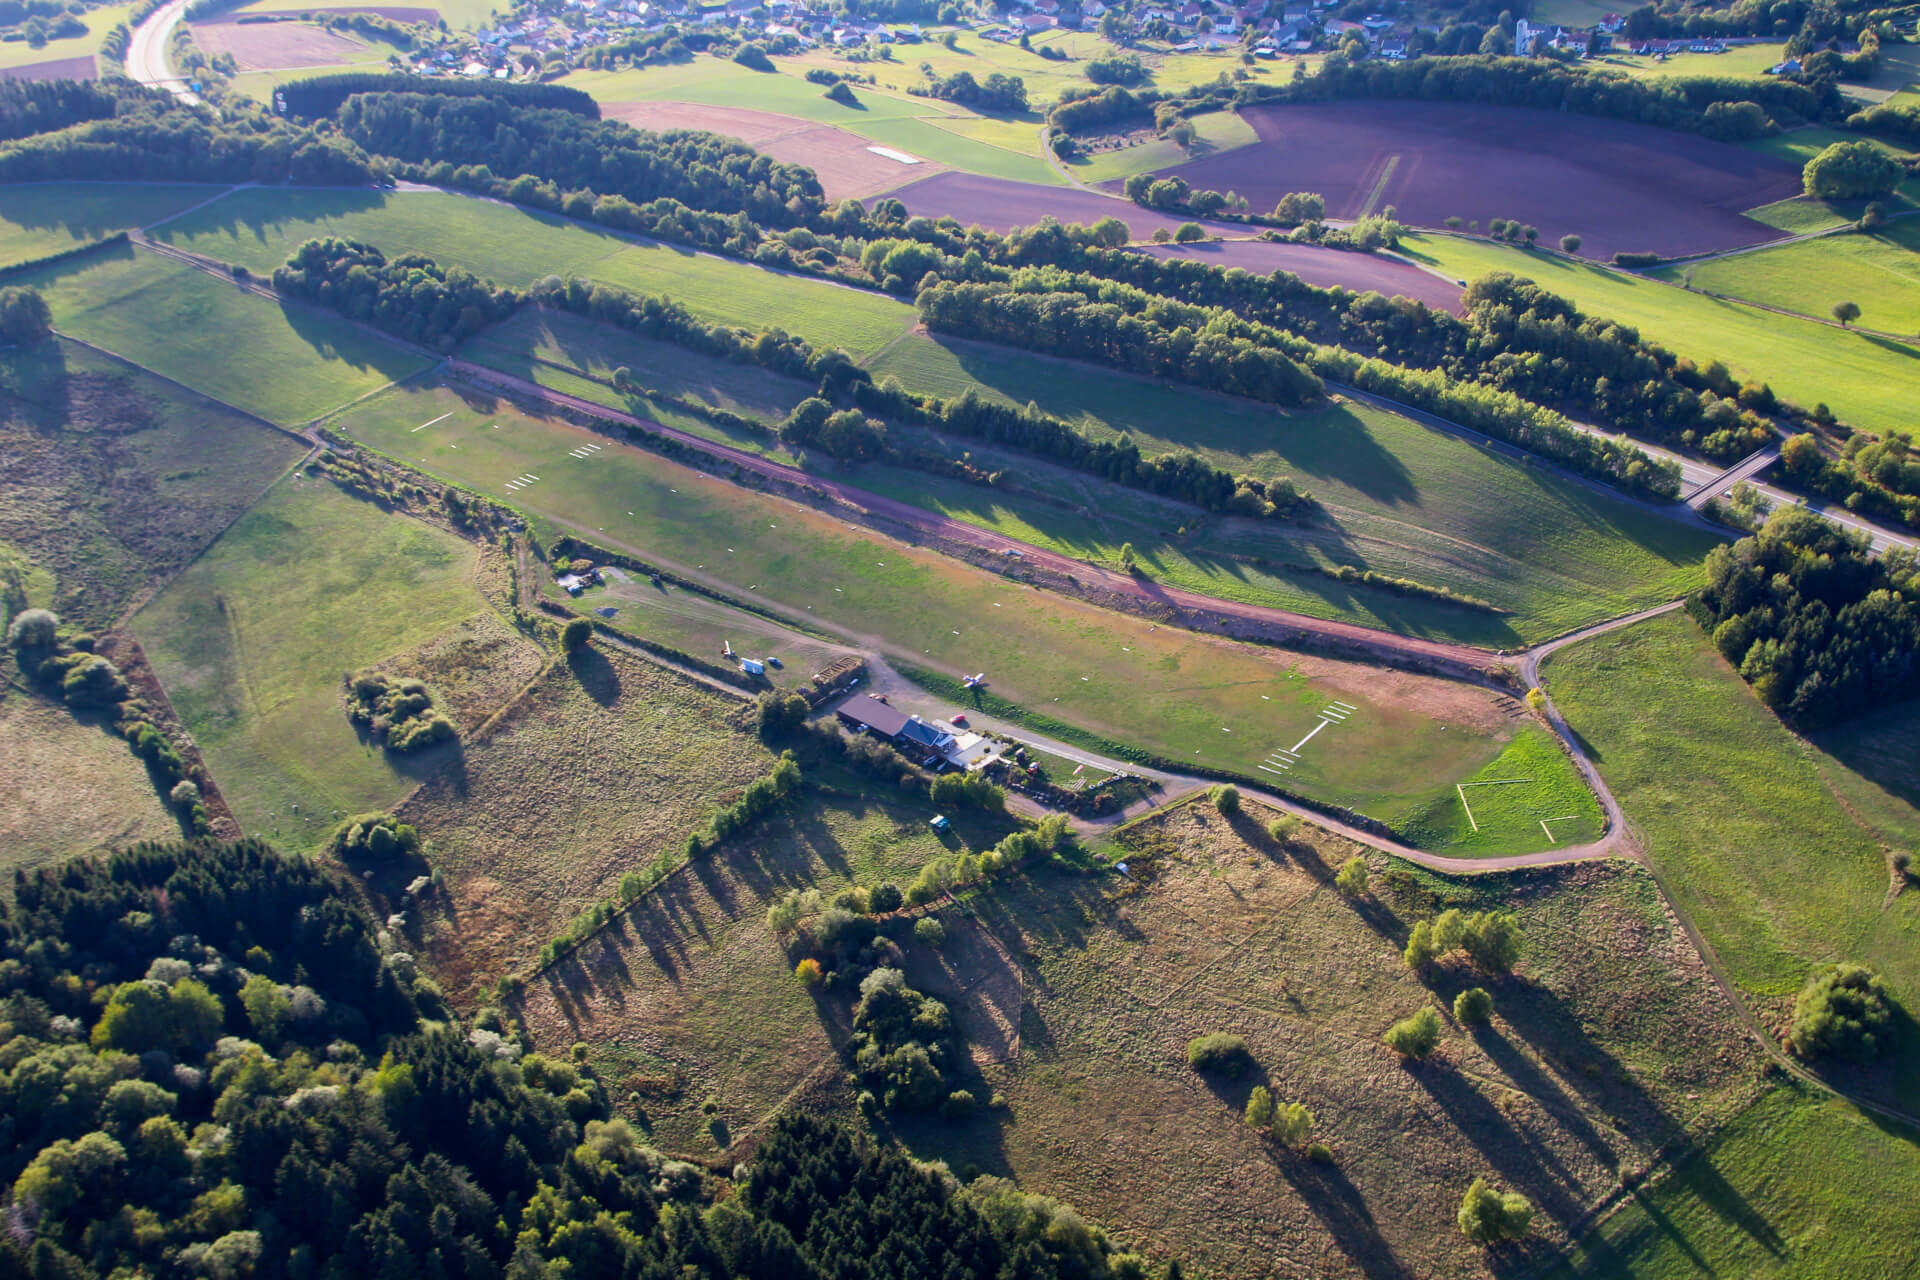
point(940, 823)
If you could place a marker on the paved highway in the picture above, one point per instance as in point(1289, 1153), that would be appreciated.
point(147, 52)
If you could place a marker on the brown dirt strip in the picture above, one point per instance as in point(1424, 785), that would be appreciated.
point(275, 46)
point(80, 68)
point(397, 13)
point(1001, 204)
point(1618, 185)
point(847, 169)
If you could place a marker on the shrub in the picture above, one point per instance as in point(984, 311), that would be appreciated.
point(1226, 798)
point(753, 57)
point(374, 837)
point(1283, 828)
point(1259, 1113)
point(184, 795)
point(1473, 1006)
point(34, 629)
point(1188, 232)
point(1489, 1217)
point(929, 931)
point(808, 971)
point(1537, 701)
point(1420, 951)
point(574, 636)
point(843, 93)
point(1220, 1051)
point(1352, 880)
point(1292, 1123)
point(92, 681)
point(1851, 171)
point(1320, 1153)
point(1843, 1011)
point(1415, 1037)
point(1570, 244)
point(885, 898)
point(958, 1106)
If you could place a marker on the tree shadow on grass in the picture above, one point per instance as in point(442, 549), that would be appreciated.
point(1331, 1196)
point(599, 679)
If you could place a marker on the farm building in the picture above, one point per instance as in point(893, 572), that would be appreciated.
point(915, 738)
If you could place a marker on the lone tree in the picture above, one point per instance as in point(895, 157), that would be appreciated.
point(1220, 1051)
point(1352, 880)
point(1473, 1006)
point(1851, 171)
point(1226, 798)
point(1570, 244)
point(1488, 1216)
point(1846, 312)
point(1415, 1037)
point(1843, 1011)
point(574, 636)
point(24, 317)
point(34, 629)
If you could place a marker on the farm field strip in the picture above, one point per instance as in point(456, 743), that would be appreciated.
point(38, 219)
point(1171, 692)
point(1880, 272)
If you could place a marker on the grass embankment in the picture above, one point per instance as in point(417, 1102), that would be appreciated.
point(1607, 1042)
point(116, 479)
point(1777, 850)
point(252, 640)
point(286, 365)
point(1529, 796)
point(1183, 696)
point(41, 219)
point(1863, 378)
point(1880, 272)
point(260, 229)
point(690, 997)
point(1214, 132)
point(1395, 497)
point(1799, 1187)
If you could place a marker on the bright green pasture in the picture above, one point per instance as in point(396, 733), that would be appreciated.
point(18, 53)
point(286, 365)
point(1881, 272)
point(1866, 380)
point(1799, 1186)
point(251, 642)
point(1739, 62)
point(1777, 849)
point(458, 13)
point(1216, 131)
point(38, 219)
point(1799, 215)
point(1394, 496)
point(1531, 796)
point(259, 228)
point(597, 350)
point(1172, 692)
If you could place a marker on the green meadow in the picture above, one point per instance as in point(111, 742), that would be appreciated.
point(287, 365)
point(1864, 378)
point(1215, 131)
point(261, 227)
point(38, 219)
point(1778, 849)
point(1183, 696)
point(252, 640)
point(1879, 271)
point(1530, 796)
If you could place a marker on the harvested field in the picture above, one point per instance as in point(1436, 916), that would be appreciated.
point(278, 46)
point(690, 996)
point(1325, 267)
point(847, 166)
point(397, 13)
point(1000, 204)
point(1608, 1042)
point(1620, 186)
point(603, 765)
point(83, 67)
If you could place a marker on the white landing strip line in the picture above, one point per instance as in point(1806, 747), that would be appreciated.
point(1324, 722)
point(442, 418)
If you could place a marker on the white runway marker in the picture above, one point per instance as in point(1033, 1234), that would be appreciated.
point(1309, 738)
point(442, 418)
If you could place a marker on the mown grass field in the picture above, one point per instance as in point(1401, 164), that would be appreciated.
point(458, 13)
point(1531, 795)
point(1394, 496)
point(261, 228)
point(1880, 272)
point(252, 640)
point(1777, 850)
point(1798, 1187)
point(604, 764)
point(598, 350)
point(43, 218)
point(1608, 1041)
point(1215, 131)
point(68, 786)
point(1862, 377)
point(116, 479)
point(1739, 62)
point(690, 997)
point(1185, 696)
point(286, 365)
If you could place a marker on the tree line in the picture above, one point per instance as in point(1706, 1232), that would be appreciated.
point(411, 296)
point(1821, 628)
point(316, 97)
point(219, 1065)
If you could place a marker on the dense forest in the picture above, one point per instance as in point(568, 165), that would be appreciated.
point(1818, 626)
point(412, 296)
point(216, 1064)
point(318, 96)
